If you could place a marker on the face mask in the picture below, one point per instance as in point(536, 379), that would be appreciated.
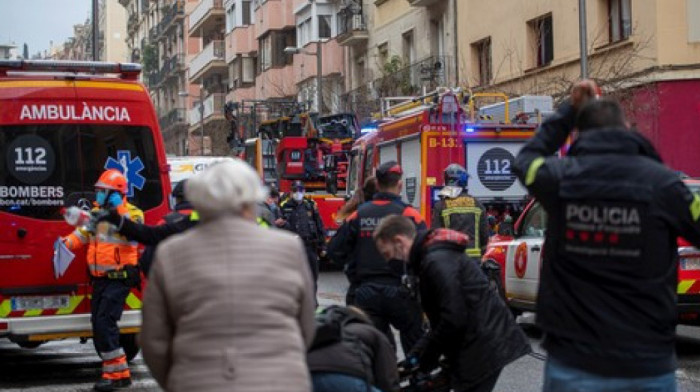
point(298, 196)
point(101, 197)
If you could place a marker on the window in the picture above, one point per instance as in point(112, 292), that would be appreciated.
point(369, 158)
point(304, 33)
point(408, 47)
point(74, 157)
point(542, 40)
point(481, 51)
point(231, 17)
point(265, 52)
point(535, 222)
point(247, 13)
point(324, 26)
point(620, 19)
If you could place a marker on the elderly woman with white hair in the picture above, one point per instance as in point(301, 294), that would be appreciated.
point(229, 305)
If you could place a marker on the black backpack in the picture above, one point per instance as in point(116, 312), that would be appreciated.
point(331, 329)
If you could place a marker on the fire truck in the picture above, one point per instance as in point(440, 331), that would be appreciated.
point(307, 148)
point(427, 133)
point(61, 125)
point(519, 257)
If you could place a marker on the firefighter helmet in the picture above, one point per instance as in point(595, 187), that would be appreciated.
point(456, 175)
point(112, 179)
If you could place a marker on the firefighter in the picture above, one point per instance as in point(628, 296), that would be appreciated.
point(381, 290)
point(300, 215)
point(457, 210)
point(112, 262)
point(311, 166)
point(182, 218)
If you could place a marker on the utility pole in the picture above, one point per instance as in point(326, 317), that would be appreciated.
point(95, 30)
point(583, 38)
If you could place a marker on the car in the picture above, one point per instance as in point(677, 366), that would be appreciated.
point(519, 259)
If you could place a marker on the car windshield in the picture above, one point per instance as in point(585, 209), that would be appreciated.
point(50, 166)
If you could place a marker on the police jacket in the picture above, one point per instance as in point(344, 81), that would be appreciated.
point(607, 295)
point(355, 238)
point(344, 357)
point(469, 322)
point(304, 220)
point(456, 210)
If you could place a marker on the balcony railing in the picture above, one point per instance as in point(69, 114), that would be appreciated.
point(202, 9)
point(177, 115)
point(213, 105)
point(170, 13)
point(215, 50)
point(350, 21)
point(173, 64)
point(153, 33)
point(132, 22)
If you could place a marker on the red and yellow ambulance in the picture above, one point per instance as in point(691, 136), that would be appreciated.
point(61, 125)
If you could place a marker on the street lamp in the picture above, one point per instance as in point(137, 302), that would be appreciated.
point(200, 101)
point(319, 68)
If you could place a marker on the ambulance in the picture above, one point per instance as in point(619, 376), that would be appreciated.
point(61, 125)
point(519, 257)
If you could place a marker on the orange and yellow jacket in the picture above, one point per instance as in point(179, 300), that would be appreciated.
point(107, 249)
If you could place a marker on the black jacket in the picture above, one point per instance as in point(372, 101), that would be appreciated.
point(304, 220)
point(343, 357)
point(607, 295)
point(353, 242)
point(469, 322)
point(465, 214)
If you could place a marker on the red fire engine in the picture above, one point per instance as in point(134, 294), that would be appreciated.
point(308, 148)
point(61, 125)
point(427, 133)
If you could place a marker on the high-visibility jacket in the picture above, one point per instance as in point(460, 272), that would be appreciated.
point(457, 210)
point(107, 249)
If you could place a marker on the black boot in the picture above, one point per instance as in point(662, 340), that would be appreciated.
point(105, 385)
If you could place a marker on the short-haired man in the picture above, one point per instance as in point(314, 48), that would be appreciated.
point(380, 292)
point(607, 296)
point(469, 323)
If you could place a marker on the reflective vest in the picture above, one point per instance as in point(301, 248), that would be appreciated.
point(107, 250)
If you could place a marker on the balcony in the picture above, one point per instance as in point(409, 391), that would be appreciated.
point(173, 65)
point(153, 33)
point(352, 29)
point(175, 116)
point(276, 82)
point(423, 3)
point(274, 15)
point(213, 109)
point(207, 17)
point(305, 65)
point(209, 60)
point(241, 40)
point(154, 79)
point(132, 24)
point(175, 12)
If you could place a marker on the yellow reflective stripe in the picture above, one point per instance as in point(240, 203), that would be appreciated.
point(5, 308)
point(532, 170)
point(466, 210)
point(73, 303)
point(684, 286)
point(56, 83)
point(194, 216)
point(474, 252)
point(263, 223)
point(133, 301)
point(695, 207)
point(33, 312)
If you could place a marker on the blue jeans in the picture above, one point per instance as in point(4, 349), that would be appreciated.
point(561, 378)
point(337, 382)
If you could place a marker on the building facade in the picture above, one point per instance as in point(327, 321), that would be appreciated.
point(112, 31)
point(645, 52)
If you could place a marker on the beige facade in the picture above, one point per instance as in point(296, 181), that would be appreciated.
point(112, 29)
point(532, 47)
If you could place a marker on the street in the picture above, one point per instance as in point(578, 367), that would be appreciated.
point(70, 366)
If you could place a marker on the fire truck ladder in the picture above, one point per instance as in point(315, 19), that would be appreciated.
point(392, 107)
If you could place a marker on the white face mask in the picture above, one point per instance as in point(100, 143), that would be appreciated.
point(298, 196)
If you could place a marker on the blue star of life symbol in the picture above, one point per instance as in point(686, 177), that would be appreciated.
point(131, 168)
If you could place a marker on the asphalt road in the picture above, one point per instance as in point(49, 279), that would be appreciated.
point(70, 366)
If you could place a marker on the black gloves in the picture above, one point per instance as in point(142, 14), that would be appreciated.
point(111, 216)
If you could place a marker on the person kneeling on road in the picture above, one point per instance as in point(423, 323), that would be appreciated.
point(470, 324)
point(349, 354)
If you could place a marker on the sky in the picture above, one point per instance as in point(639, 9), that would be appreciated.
point(37, 22)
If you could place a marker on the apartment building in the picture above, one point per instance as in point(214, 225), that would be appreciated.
point(646, 52)
point(397, 47)
point(207, 68)
point(112, 32)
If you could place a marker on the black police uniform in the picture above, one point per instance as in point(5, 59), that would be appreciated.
point(380, 291)
point(457, 210)
point(607, 295)
point(304, 220)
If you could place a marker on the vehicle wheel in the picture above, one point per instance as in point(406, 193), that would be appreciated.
point(130, 345)
point(29, 344)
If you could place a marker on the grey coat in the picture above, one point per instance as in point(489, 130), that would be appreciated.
point(229, 307)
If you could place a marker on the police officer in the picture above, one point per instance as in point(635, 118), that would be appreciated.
point(457, 210)
point(607, 295)
point(112, 261)
point(300, 215)
point(380, 290)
